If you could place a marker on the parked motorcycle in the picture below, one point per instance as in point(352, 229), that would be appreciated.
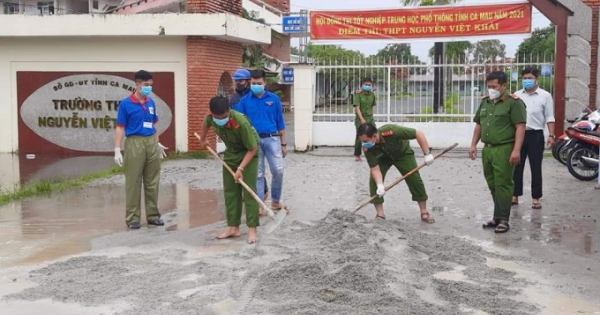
point(583, 158)
point(561, 147)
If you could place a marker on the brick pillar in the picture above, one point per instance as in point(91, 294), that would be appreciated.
point(207, 60)
point(595, 5)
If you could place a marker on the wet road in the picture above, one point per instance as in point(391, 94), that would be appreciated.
point(559, 243)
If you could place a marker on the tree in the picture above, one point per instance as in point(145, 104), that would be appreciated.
point(252, 55)
point(401, 54)
point(539, 47)
point(488, 50)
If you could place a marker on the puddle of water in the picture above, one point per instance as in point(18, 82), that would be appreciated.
point(46, 228)
point(454, 275)
point(551, 302)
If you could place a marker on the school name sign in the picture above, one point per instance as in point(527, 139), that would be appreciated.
point(422, 22)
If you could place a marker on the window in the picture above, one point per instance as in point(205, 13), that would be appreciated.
point(46, 8)
point(95, 5)
point(11, 8)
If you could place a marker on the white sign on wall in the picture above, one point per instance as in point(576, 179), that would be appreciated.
point(79, 112)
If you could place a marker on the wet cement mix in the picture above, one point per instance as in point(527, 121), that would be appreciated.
point(341, 264)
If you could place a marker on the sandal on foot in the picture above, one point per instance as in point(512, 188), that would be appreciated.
point(426, 217)
point(514, 202)
point(536, 205)
point(380, 217)
point(502, 227)
point(492, 224)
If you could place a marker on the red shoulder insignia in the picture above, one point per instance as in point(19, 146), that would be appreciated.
point(514, 96)
point(387, 133)
point(233, 124)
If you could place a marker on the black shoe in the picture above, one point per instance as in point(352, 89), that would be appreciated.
point(134, 225)
point(157, 222)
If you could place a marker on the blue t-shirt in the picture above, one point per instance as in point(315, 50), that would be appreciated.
point(265, 112)
point(136, 117)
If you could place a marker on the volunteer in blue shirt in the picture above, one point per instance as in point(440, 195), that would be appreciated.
point(136, 120)
point(242, 88)
point(263, 108)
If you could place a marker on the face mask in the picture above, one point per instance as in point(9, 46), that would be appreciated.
point(368, 145)
point(240, 87)
point(528, 83)
point(146, 90)
point(494, 94)
point(366, 88)
point(221, 122)
point(257, 89)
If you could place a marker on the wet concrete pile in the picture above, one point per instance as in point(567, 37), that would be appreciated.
point(342, 264)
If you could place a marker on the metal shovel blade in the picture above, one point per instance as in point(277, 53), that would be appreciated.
point(276, 220)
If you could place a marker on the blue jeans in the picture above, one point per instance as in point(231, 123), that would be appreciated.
point(270, 148)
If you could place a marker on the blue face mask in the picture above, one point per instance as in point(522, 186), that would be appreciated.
point(528, 83)
point(366, 88)
point(146, 90)
point(221, 122)
point(257, 89)
point(368, 145)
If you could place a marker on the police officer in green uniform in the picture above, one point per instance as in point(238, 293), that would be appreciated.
point(500, 125)
point(390, 146)
point(241, 155)
point(363, 102)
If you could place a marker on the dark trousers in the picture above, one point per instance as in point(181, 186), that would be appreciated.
point(533, 148)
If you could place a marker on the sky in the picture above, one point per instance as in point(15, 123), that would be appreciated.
point(421, 49)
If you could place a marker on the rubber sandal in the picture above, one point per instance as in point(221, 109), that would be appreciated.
point(490, 225)
point(380, 217)
point(134, 225)
point(536, 205)
point(426, 217)
point(157, 222)
point(502, 227)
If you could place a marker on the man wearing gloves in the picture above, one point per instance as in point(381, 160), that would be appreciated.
point(390, 146)
point(136, 119)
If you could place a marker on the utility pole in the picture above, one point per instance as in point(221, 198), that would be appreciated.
point(438, 73)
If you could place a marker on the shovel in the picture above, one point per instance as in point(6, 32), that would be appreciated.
point(277, 218)
point(397, 181)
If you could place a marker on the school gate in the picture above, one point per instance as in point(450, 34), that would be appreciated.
point(323, 89)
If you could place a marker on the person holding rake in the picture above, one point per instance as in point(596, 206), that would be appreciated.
point(390, 146)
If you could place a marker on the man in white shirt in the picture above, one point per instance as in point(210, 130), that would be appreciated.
point(540, 112)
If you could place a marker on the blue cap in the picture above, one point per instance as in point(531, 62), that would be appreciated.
point(241, 74)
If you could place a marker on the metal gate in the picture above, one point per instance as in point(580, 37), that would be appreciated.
point(405, 94)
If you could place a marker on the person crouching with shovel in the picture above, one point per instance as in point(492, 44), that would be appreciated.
point(389, 146)
point(241, 155)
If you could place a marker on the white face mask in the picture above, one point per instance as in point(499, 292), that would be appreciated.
point(494, 94)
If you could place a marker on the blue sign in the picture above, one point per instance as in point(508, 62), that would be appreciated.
point(288, 75)
point(293, 24)
point(546, 70)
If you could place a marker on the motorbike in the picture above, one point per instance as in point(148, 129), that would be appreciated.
point(562, 146)
point(583, 158)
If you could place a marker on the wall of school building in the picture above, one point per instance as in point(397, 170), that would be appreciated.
point(89, 55)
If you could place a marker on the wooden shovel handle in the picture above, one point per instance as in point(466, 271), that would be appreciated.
point(241, 182)
point(397, 181)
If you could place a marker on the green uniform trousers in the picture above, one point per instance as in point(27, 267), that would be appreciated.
point(404, 165)
point(141, 163)
point(499, 176)
point(357, 143)
point(236, 195)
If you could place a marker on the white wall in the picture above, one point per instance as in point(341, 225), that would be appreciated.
point(439, 134)
point(161, 54)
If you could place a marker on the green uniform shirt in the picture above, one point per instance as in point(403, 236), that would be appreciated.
point(238, 135)
point(394, 143)
point(498, 120)
point(365, 101)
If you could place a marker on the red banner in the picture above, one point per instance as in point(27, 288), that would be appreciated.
point(422, 22)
